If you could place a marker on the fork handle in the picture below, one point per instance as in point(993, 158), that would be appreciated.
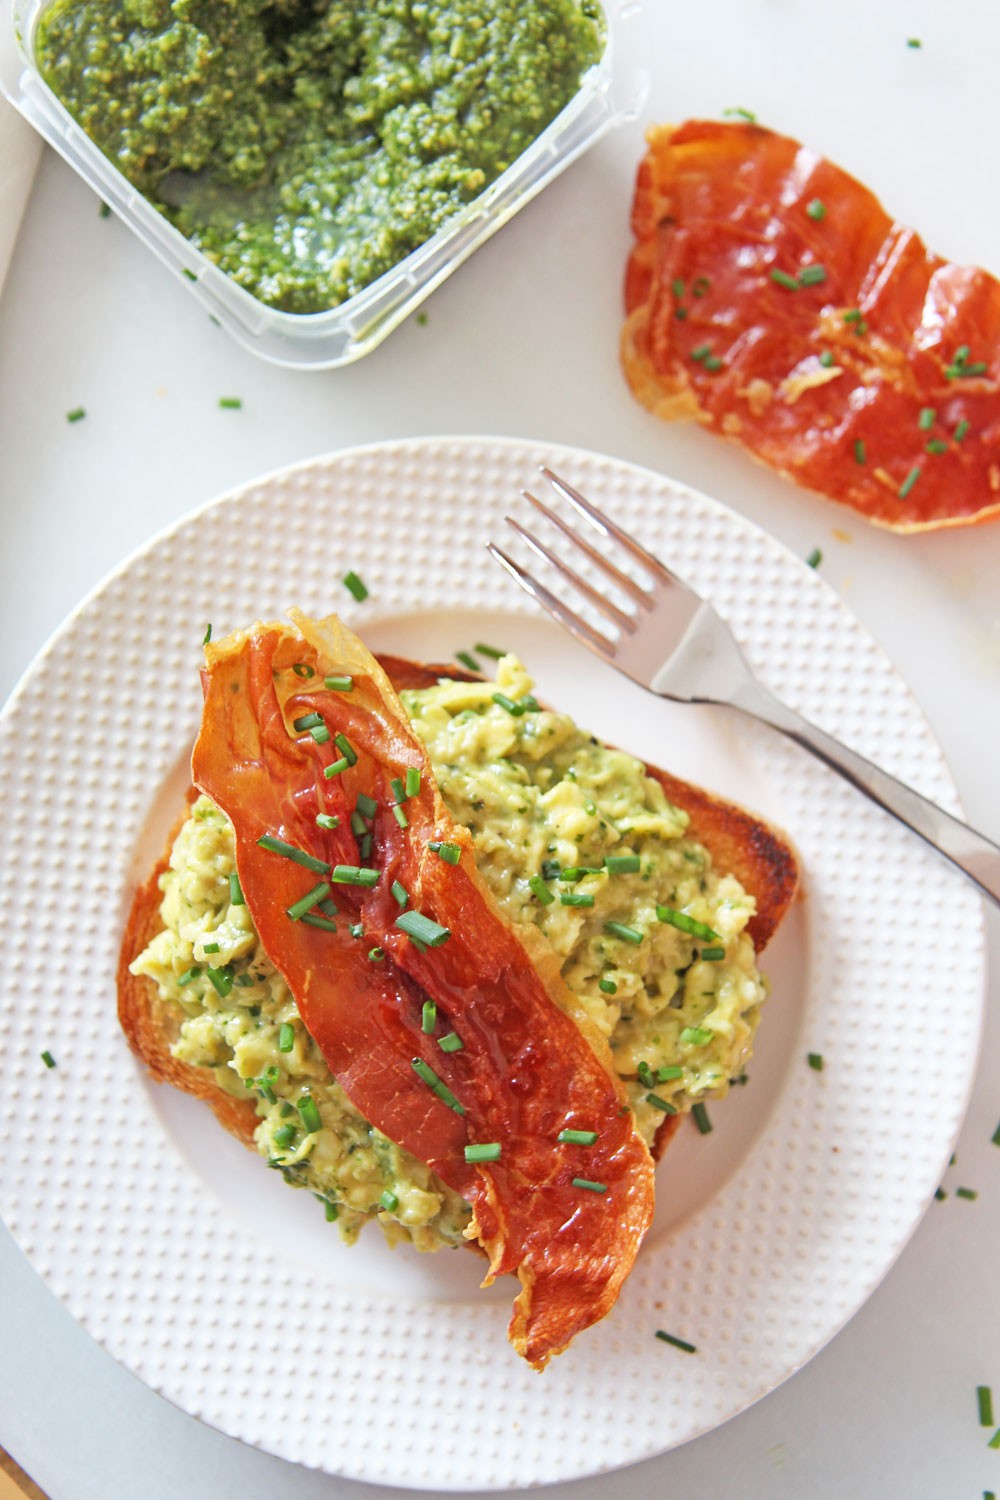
point(976, 856)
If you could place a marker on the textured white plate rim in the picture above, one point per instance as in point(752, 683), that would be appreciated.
point(528, 452)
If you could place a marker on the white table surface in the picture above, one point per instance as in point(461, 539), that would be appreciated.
point(522, 341)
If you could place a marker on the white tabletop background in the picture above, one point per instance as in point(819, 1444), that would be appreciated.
point(522, 341)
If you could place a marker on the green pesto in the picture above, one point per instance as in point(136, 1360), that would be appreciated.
point(307, 148)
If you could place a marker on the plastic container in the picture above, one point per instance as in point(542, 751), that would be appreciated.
point(611, 91)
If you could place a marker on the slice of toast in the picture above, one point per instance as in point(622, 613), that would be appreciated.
point(739, 844)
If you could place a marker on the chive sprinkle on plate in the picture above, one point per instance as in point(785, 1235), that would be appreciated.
point(984, 1398)
point(671, 1338)
point(76, 415)
point(355, 586)
point(48, 1059)
point(230, 403)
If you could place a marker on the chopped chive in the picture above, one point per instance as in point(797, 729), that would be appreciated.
point(812, 275)
point(607, 986)
point(814, 559)
point(187, 977)
point(783, 279)
point(302, 669)
point(210, 947)
point(323, 923)
point(510, 704)
point(700, 1115)
point(995, 1137)
point(346, 749)
point(365, 847)
point(208, 635)
point(308, 901)
point(376, 955)
point(550, 869)
point(286, 1036)
point(356, 929)
point(677, 286)
point(695, 1036)
point(331, 1210)
point(468, 661)
point(620, 930)
point(400, 816)
point(76, 415)
point(962, 354)
point(645, 1073)
point(289, 851)
point(416, 925)
point(309, 1110)
point(826, 359)
point(338, 684)
point(860, 456)
point(684, 923)
point(713, 363)
point(355, 586)
point(236, 897)
point(389, 1201)
point(428, 1018)
point(680, 313)
point(743, 114)
point(577, 1137)
point(327, 908)
point(230, 403)
point(245, 981)
point(412, 781)
point(285, 1135)
point(577, 872)
point(397, 788)
point(366, 806)
point(400, 893)
point(940, 1194)
point(961, 371)
point(853, 315)
point(540, 890)
point(48, 1059)
point(591, 1187)
point(816, 209)
point(815, 1061)
point(450, 853)
point(221, 981)
point(353, 875)
point(358, 825)
point(105, 210)
point(914, 41)
point(336, 768)
point(487, 1151)
point(961, 430)
point(670, 1338)
point(700, 285)
point(927, 418)
point(909, 482)
point(658, 1103)
point(984, 1397)
point(622, 864)
point(964, 1192)
point(936, 446)
point(493, 652)
point(437, 1085)
point(994, 1441)
point(320, 733)
point(702, 352)
point(576, 898)
point(663, 1075)
point(713, 955)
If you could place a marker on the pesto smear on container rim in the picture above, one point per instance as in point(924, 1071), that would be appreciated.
point(570, 836)
point(307, 146)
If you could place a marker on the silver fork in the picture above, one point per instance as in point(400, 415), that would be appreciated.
point(675, 644)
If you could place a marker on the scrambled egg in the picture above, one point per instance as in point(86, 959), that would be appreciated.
point(553, 814)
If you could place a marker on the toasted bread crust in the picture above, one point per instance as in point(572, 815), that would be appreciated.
point(738, 842)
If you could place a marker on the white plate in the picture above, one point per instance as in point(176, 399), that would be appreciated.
point(227, 1292)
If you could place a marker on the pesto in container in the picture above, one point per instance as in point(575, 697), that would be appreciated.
point(306, 148)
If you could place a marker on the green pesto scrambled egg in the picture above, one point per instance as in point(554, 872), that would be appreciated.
point(547, 805)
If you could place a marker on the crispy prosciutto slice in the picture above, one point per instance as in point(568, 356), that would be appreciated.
point(771, 297)
point(568, 1218)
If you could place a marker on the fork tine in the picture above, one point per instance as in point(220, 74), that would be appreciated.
point(608, 528)
point(583, 632)
point(625, 583)
point(610, 611)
